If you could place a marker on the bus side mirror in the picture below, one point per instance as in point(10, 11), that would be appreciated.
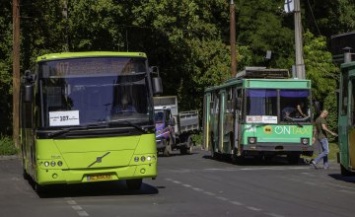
point(27, 81)
point(28, 92)
point(345, 102)
point(238, 103)
point(157, 85)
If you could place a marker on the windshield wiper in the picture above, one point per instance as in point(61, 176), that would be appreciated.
point(85, 127)
point(114, 123)
point(292, 121)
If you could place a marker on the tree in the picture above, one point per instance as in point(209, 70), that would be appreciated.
point(323, 74)
point(6, 68)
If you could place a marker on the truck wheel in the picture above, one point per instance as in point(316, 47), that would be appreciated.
point(167, 150)
point(189, 146)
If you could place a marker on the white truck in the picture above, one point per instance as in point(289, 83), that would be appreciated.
point(174, 129)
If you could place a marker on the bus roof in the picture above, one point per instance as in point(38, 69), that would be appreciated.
point(264, 83)
point(66, 55)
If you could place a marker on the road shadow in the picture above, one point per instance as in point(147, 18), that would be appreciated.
point(338, 176)
point(257, 161)
point(114, 188)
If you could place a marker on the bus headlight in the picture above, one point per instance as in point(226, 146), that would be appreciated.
point(251, 140)
point(304, 141)
point(46, 164)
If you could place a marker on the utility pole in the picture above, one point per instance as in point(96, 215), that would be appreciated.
point(300, 67)
point(232, 39)
point(16, 72)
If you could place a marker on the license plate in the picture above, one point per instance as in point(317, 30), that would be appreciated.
point(99, 177)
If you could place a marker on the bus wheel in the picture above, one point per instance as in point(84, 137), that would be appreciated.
point(293, 158)
point(134, 184)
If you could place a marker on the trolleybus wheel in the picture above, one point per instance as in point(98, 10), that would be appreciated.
point(293, 158)
point(134, 184)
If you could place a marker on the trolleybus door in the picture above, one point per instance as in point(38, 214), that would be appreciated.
point(351, 132)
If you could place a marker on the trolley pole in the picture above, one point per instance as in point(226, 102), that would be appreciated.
point(16, 72)
point(233, 40)
point(300, 67)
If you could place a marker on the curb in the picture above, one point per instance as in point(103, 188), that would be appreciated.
point(8, 157)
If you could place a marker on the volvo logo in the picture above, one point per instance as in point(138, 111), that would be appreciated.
point(99, 159)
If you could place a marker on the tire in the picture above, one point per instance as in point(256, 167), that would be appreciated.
point(134, 184)
point(189, 146)
point(293, 158)
point(167, 150)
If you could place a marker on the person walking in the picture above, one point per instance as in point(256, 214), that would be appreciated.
point(321, 136)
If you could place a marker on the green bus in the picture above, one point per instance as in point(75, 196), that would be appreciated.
point(245, 116)
point(74, 127)
point(346, 119)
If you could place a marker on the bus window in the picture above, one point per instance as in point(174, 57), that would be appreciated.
point(294, 103)
point(261, 102)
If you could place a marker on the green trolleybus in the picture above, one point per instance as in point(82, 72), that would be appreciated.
point(255, 114)
point(346, 119)
point(89, 117)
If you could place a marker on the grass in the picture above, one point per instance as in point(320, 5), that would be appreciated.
point(7, 146)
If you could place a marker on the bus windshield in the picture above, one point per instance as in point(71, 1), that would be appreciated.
point(263, 106)
point(85, 91)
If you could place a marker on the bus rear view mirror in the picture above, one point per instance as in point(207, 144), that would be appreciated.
point(157, 85)
point(28, 92)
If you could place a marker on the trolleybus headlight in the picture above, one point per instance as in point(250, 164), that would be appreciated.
point(46, 164)
point(304, 141)
point(136, 159)
point(251, 140)
point(53, 163)
point(142, 158)
point(149, 158)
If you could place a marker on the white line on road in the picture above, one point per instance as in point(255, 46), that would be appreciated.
point(274, 215)
point(236, 203)
point(252, 208)
point(79, 210)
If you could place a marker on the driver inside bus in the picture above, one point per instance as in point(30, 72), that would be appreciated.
point(125, 106)
point(296, 111)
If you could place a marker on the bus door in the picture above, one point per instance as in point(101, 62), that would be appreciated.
point(238, 105)
point(214, 120)
point(351, 133)
point(222, 110)
point(207, 110)
point(228, 121)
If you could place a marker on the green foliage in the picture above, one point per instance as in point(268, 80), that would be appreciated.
point(187, 39)
point(323, 73)
point(5, 68)
point(7, 146)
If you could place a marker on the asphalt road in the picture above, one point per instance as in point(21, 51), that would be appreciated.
point(190, 185)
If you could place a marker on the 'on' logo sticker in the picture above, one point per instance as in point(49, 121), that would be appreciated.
point(268, 129)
